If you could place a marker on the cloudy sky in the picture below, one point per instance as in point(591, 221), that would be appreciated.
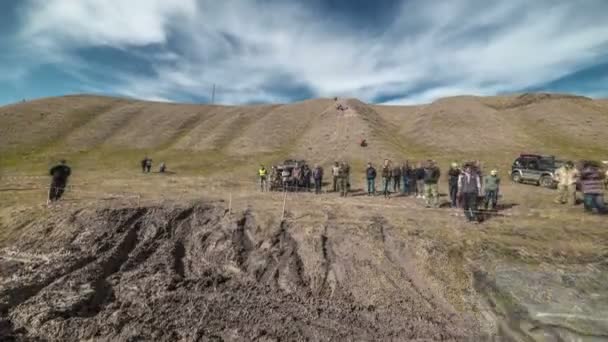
point(258, 51)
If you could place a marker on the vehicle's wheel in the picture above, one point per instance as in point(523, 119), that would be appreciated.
point(516, 177)
point(545, 181)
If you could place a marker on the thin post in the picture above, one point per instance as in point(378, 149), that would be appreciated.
point(48, 197)
point(230, 204)
point(284, 200)
point(213, 94)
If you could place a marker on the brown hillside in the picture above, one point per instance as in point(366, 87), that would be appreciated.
point(312, 129)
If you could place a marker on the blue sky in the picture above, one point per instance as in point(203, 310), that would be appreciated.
point(259, 51)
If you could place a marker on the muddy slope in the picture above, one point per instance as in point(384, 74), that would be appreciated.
point(196, 273)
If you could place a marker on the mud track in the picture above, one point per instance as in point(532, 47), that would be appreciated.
point(196, 273)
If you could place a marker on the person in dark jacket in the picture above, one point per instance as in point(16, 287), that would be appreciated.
point(406, 174)
point(317, 175)
point(60, 174)
point(396, 173)
point(370, 175)
point(144, 162)
point(453, 175)
point(419, 176)
point(593, 189)
point(431, 180)
point(146, 165)
point(469, 186)
point(386, 178)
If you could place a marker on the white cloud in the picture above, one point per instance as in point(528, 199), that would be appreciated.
point(100, 22)
point(254, 50)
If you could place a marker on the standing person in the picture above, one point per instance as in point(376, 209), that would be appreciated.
point(162, 167)
point(148, 165)
point(406, 173)
point(306, 174)
point(370, 174)
point(342, 179)
point(296, 177)
point(263, 174)
point(566, 176)
point(431, 179)
point(347, 175)
point(275, 178)
point(592, 187)
point(492, 189)
point(144, 163)
point(386, 178)
point(285, 175)
point(60, 174)
point(317, 175)
point(335, 171)
point(396, 173)
point(419, 174)
point(469, 186)
point(453, 175)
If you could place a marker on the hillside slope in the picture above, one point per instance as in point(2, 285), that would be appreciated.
point(312, 129)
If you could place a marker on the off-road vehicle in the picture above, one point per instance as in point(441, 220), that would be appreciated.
point(289, 165)
point(535, 169)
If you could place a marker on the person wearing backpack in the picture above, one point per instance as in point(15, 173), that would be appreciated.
point(431, 178)
point(370, 174)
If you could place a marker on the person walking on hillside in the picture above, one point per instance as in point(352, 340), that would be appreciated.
point(263, 174)
point(491, 185)
point(592, 187)
point(431, 179)
point(370, 174)
point(162, 167)
point(342, 179)
point(469, 187)
point(396, 173)
point(566, 176)
point(386, 178)
point(453, 175)
point(419, 175)
point(406, 174)
point(317, 175)
point(335, 171)
point(60, 174)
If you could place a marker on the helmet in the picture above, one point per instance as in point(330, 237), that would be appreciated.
point(493, 172)
point(454, 165)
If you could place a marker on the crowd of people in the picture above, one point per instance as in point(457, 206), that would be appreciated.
point(468, 188)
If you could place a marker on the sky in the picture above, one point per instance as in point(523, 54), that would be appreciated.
point(269, 51)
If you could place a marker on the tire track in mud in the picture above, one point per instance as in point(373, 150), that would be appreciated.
point(194, 273)
point(394, 254)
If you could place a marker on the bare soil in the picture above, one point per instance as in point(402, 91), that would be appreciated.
point(197, 273)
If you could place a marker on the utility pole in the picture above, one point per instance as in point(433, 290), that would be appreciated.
point(213, 94)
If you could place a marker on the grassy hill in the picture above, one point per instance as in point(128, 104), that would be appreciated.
point(96, 132)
